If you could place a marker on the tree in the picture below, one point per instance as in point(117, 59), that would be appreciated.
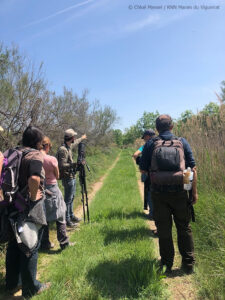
point(22, 91)
point(223, 91)
point(210, 109)
point(130, 135)
point(187, 114)
point(147, 121)
point(25, 100)
point(118, 137)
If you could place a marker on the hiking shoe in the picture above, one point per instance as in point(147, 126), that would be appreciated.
point(12, 291)
point(71, 224)
point(187, 269)
point(155, 232)
point(165, 269)
point(75, 219)
point(44, 287)
point(47, 246)
point(64, 246)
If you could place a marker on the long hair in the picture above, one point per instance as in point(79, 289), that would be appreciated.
point(46, 142)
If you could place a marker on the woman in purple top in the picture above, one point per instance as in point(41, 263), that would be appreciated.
point(54, 202)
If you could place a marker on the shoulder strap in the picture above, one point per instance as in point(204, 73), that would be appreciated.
point(156, 139)
point(173, 137)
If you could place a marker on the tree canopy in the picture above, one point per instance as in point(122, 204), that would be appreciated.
point(26, 100)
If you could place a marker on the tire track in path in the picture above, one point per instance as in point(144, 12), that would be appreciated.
point(95, 188)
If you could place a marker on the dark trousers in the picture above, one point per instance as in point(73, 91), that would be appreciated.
point(61, 234)
point(169, 207)
point(146, 192)
point(147, 196)
point(22, 269)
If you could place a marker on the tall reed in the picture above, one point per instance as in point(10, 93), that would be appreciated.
point(206, 135)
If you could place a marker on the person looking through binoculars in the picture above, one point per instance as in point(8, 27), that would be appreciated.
point(67, 169)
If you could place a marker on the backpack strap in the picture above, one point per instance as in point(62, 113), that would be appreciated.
point(156, 139)
point(173, 137)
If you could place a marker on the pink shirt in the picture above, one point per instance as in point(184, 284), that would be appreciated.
point(49, 164)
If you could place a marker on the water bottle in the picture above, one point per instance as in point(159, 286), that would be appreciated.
point(188, 178)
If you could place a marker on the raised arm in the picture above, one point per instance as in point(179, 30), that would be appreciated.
point(77, 141)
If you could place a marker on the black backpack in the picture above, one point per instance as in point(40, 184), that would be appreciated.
point(11, 199)
point(168, 162)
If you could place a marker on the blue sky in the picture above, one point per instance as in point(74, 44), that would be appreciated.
point(131, 58)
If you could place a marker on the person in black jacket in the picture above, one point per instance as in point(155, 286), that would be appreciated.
point(171, 203)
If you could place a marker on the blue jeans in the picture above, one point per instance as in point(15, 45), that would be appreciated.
point(19, 268)
point(69, 193)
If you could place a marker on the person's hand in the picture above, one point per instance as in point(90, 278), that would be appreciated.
point(144, 172)
point(194, 186)
point(1, 157)
point(194, 170)
point(194, 198)
point(74, 165)
point(1, 161)
point(84, 137)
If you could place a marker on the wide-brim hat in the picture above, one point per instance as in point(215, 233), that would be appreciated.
point(69, 133)
point(1, 129)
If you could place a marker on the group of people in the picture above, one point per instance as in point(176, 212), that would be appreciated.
point(164, 190)
point(164, 194)
point(38, 175)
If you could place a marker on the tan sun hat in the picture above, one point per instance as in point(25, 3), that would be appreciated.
point(1, 129)
point(69, 133)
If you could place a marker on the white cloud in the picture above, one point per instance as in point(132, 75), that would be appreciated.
point(59, 13)
point(141, 24)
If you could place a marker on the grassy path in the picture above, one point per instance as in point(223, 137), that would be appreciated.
point(114, 256)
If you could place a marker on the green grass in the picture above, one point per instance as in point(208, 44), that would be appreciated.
point(114, 256)
point(209, 236)
point(99, 162)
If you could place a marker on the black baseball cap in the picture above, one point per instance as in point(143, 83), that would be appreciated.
point(149, 132)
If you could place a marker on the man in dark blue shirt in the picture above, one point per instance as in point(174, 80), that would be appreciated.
point(171, 202)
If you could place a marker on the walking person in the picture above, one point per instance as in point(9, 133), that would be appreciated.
point(54, 203)
point(20, 268)
point(67, 169)
point(166, 156)
point(147, 135)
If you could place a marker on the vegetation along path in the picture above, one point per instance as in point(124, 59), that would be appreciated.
point(114, 254)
